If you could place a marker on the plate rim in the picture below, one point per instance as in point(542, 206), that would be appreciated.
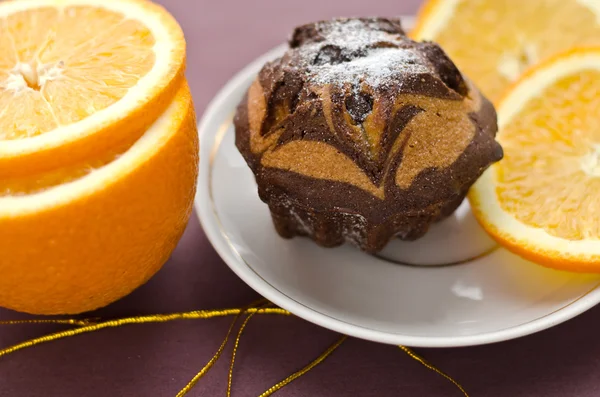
point(221, 243)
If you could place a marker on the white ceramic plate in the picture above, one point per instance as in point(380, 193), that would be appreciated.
point(491, 296)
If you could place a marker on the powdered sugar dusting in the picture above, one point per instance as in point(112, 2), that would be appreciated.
point(301, 224)
point(354, 34)
point(353, 52)
point(354, 231)
point(377, 68)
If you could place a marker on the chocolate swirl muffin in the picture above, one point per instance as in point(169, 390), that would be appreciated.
point(359, 134)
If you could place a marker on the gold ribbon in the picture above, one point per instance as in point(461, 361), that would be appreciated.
point(261, 307)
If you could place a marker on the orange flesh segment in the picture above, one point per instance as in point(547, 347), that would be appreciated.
point(523, 34)
point(550, 176)
point(61, 65)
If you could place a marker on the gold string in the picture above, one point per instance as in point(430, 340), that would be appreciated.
point(71, 321)
point(92, 325)
point(210, 363)
point(304, 370)
point(217, 355)
point(156, 318)
point(234, 351)
point(431, 367)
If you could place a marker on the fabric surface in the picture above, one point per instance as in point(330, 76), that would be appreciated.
point(158, 360)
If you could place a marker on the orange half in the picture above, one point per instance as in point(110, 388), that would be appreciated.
point(81, 244)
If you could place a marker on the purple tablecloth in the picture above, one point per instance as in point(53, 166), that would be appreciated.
point(158, 360)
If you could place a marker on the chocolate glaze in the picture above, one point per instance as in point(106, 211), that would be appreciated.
point(370, 115)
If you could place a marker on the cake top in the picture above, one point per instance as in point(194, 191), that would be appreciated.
point(374, 52)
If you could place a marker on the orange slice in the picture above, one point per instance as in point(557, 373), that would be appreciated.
point(543, 200)
point(494, 41)
point(81, 76)
point(80, 244)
